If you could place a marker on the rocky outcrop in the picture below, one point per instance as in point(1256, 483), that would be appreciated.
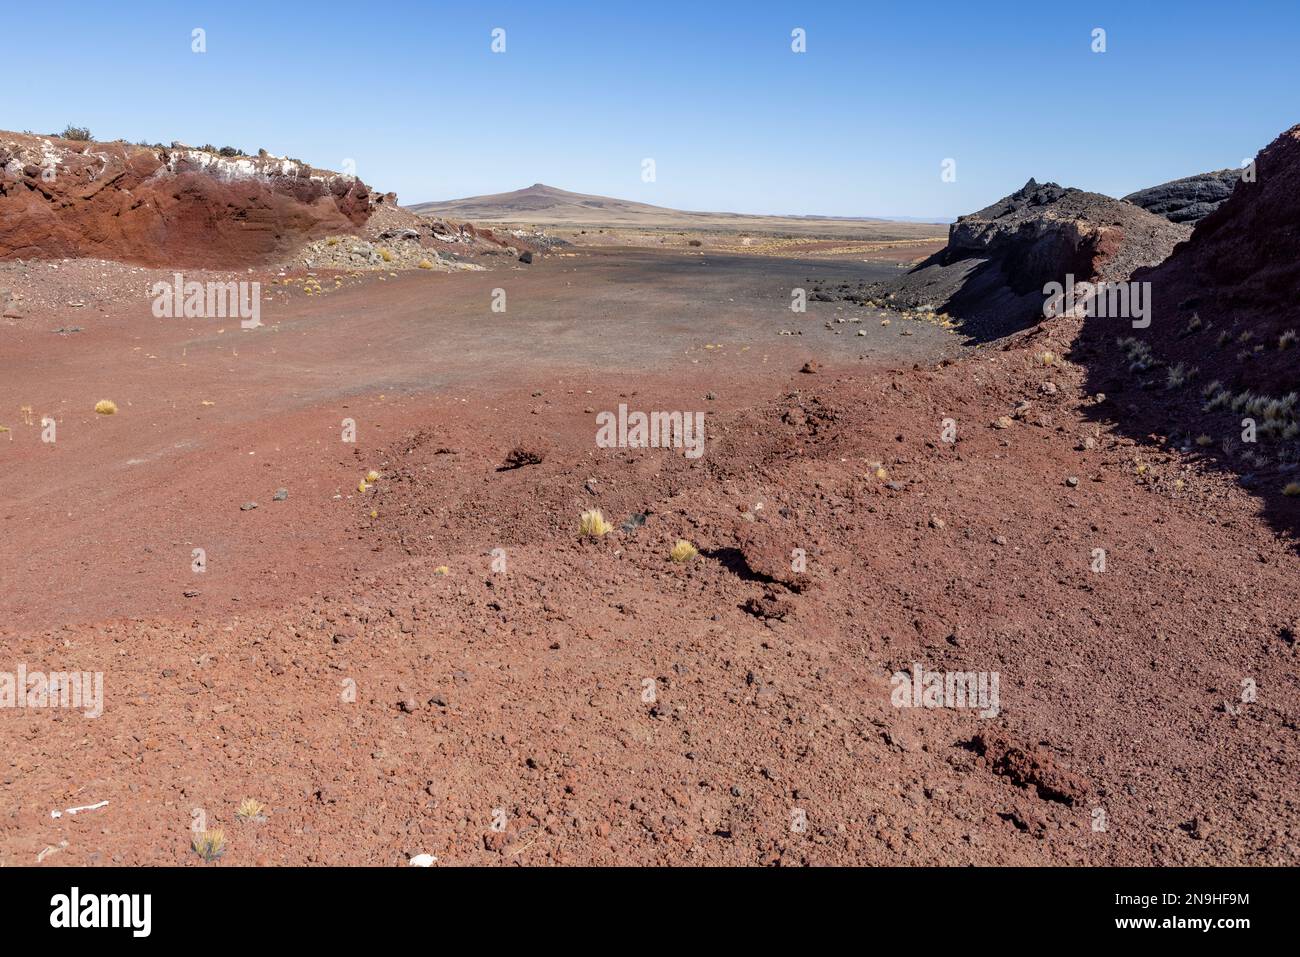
point(1232, 293)
point(991, 274)
point(162, 206)
point(1215, 373)
point(1190, 199)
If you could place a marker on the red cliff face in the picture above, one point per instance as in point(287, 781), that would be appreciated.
point(165, 207)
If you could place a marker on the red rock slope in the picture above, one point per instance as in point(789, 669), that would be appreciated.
point(157, 206)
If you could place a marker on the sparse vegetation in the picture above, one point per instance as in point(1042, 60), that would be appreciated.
point(683, 551)
point(1292, 489)
point(1137, 352)
point(593, 525)
point(251, 810)
point(1218, 396)
point(106, 407)
point(1287, 339)
point(71, 132)
point(1178, 375)
point(210, 845)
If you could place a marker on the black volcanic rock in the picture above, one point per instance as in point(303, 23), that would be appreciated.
point(1190, 199)
point(991, 274)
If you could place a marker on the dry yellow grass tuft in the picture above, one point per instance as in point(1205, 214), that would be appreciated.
point(372, 476)
point(251, 810)
point(1292, 489)
point(106, 407)
point(683, 551)
point(592, 523)
point(210, 845)
point(424, 264)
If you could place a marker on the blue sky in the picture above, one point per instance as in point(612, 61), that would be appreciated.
point(858, 125)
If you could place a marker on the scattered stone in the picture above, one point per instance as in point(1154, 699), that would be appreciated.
point(1029, 767)
point(248, 506)
point(522, 455)
point(770, 606)
point(281, 494)
point(634, 522)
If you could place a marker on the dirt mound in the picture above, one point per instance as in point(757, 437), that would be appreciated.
point(992, 272)
point(159, 206)
point(1190, 199)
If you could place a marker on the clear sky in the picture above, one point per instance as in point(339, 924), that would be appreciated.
point(711, 90)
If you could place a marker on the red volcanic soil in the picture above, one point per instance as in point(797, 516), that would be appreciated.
point(441, 664)
point(158, 206)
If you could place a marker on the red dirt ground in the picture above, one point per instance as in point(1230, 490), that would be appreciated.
point(520, 696)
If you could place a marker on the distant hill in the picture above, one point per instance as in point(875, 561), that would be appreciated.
point(542, 205)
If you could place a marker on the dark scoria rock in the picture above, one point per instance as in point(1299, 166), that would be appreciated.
point(1190, 199)
point(991, 274)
